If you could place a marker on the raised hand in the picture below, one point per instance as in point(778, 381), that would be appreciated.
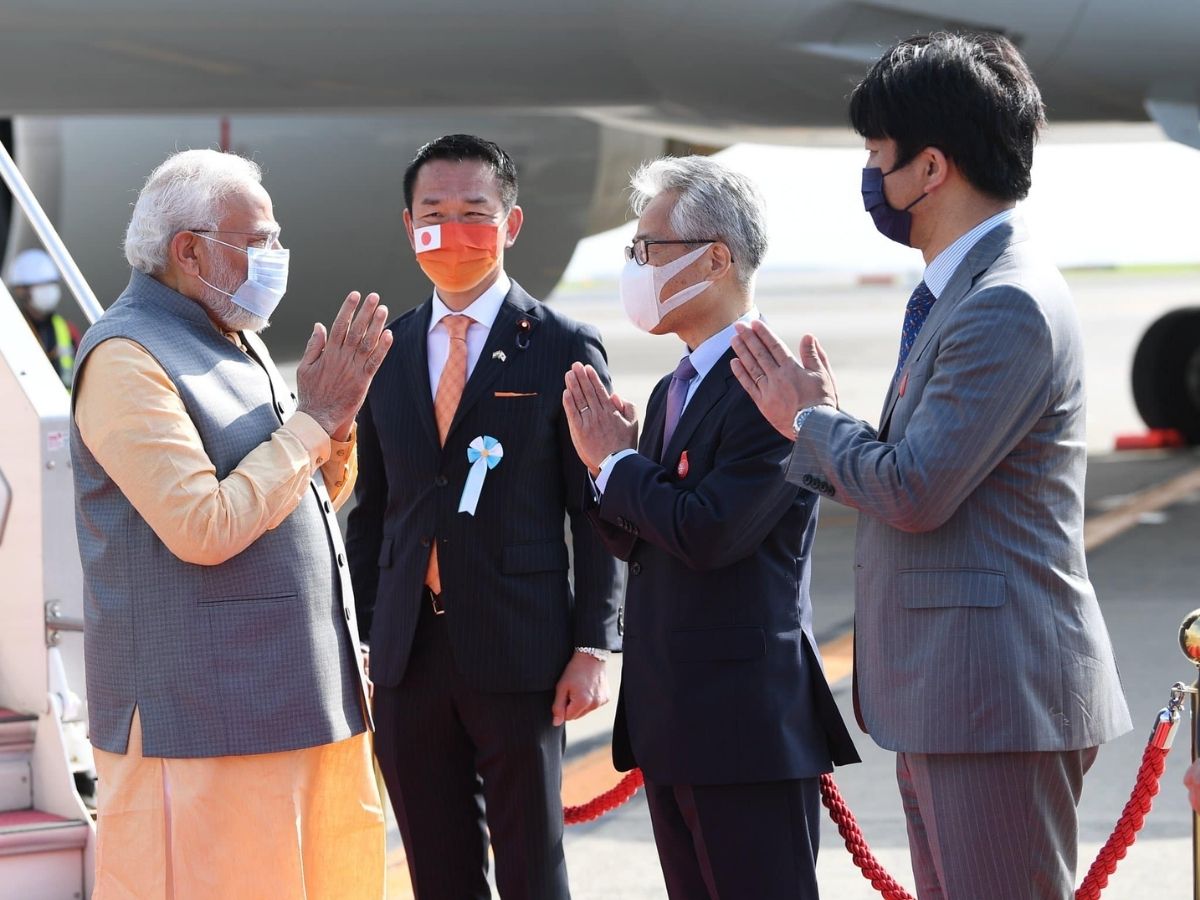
point(600, 423)
point(780, 383)
point(335, 371)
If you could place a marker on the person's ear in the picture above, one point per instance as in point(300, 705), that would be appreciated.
point(182, 252)
point(720, 261)
point(935, 167)
point(408, 229)
point(516, 218)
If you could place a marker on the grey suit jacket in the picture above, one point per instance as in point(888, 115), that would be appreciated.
point(976, 628)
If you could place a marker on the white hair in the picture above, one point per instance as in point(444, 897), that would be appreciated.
point(712, 201)
point(185, 192)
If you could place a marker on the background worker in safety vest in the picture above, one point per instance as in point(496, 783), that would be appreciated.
point(33, 282)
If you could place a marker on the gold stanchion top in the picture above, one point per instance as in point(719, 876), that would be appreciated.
point(1189, 636)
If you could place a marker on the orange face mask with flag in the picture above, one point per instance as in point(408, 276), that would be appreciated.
point(456, 256)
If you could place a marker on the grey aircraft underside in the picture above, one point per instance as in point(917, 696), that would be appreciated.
point(334, 98)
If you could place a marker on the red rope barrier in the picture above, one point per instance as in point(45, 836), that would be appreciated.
point(848, 828)
point(1130, 823)
point(606, 802)
point(1124, 833)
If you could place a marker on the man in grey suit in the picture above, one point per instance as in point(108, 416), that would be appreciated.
point(981, 655)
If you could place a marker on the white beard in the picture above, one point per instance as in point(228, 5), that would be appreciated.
point(223, 310)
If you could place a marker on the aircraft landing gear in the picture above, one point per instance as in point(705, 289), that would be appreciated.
point(1166, 374)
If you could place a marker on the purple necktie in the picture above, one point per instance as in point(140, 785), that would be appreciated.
point(676, 395)
point(919, 305)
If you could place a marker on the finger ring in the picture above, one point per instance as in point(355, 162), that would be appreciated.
point(760, 377)
point(584, 409)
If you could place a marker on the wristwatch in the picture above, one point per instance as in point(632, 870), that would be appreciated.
point(802, 417)
point(596, 652)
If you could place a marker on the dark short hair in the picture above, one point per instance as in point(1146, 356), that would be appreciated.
point(461, 148)
point(969, 95)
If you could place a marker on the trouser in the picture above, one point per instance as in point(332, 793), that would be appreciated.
point(460, 763)
point(1003, 826)
point(738, 841)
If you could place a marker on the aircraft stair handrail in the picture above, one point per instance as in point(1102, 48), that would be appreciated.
point(49, 237)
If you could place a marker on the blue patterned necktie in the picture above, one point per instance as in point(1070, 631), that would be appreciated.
point(676, 395)
point(919, 305)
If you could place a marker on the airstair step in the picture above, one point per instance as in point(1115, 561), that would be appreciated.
point(32, 831)
point(16, 782)
point(41, 856)
point(16, 729)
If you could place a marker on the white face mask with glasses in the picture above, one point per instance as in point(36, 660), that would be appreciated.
point(266, 278)
point(641, 285)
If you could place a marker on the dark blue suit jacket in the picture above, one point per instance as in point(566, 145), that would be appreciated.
point(721, 682)
point(513, 617)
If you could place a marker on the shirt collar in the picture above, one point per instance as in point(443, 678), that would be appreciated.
point(710, 352)
point(483, 310)
point(939, 272)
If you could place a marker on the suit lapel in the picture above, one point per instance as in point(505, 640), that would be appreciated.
point(712, 388)
point(978, 260)
point(517, 306)
point(413, 351)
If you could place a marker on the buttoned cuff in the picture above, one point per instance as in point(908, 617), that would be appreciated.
point(312, 436)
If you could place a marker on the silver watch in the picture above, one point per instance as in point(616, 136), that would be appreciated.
point(596, 652)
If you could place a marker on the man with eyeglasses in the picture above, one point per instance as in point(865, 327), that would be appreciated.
point(227, 704)
point(723, 703)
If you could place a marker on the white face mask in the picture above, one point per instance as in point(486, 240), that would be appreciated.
point(640, 287)
point(266, 279)
point(44, 297)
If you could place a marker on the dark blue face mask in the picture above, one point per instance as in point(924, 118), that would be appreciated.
point(890, 222)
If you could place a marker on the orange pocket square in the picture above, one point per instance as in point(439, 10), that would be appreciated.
point(514, 394)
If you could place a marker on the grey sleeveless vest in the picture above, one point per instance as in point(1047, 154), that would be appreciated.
point(256, 655)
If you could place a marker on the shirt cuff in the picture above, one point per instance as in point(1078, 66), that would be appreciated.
point(607, 465)
point(312, 436)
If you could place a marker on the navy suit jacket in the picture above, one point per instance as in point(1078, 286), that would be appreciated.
point(513, 615)
point(721, 682)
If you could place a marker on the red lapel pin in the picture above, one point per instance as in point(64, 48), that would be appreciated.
point(682, 468)
point(903, 383)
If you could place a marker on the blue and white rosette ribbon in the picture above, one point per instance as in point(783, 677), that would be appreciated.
point(483, 453)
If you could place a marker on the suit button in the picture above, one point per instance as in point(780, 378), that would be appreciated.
point(635, 568)
point(807, 481)
point(347, 611)
point(341, 560)
point(441, 481)
point(279, 407)
point(425, 542)
point(328, 506)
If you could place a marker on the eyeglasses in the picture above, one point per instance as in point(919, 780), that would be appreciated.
point(639, 250)
point(263, 240)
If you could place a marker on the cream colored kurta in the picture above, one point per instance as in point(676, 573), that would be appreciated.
point(300, 824)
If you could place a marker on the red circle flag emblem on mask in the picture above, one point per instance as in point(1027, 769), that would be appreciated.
point(426, 238)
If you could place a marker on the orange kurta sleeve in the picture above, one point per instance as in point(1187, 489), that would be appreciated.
point(133, 421)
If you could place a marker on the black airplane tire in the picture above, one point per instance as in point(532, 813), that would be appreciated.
point(1166, 374)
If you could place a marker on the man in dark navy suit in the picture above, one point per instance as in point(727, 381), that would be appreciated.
point(723, 701)
point(480, 648)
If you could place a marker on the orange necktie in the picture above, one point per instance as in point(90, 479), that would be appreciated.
point(445, 405)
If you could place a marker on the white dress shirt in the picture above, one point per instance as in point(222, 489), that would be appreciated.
point(939, 272)
point(704, 358)
point(484, 311)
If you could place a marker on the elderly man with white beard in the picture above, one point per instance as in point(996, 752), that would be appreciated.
point(227, 703)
